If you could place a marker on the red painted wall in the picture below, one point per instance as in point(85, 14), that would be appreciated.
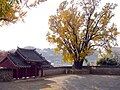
point(7, 63)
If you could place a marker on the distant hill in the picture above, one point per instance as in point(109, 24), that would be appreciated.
point(56, 59)
point(50, 55)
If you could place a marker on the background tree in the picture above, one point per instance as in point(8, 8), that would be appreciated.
point(107, 61)
point(78, 29)
point(7, 12)
point(116, 54)
point(12, 10)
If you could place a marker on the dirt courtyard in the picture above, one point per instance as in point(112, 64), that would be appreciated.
point(65, 82)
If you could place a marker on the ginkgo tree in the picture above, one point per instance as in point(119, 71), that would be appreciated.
point(80, 28)
point(12, 10)
point(7, 12)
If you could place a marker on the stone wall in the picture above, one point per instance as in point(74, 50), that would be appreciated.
point(64, 70)
point(105, 71)
point(53, 71)
point(77, 71)
point(6, 75)
point(98, 70)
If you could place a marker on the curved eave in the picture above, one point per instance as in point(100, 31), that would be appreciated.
point(30, 60)
point(23, 66)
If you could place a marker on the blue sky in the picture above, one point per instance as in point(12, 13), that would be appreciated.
point(33, 31)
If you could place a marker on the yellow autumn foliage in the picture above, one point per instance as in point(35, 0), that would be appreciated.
point(79, 29)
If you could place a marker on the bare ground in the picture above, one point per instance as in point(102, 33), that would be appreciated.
point(65, 82)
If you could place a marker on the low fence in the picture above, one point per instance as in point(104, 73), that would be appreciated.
point(7, 74)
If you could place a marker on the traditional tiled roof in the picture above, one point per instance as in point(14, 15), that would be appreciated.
point(30, 55)
point(17, 61)
point(25, 58)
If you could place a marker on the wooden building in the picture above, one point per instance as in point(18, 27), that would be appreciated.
point(25, 63)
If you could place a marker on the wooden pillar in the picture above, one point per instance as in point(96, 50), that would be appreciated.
point(35, 71)
point(41, 72)
point(25, 73)
point(17, 73)
point(12, 74)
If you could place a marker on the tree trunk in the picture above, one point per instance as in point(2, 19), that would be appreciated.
point(78, 64)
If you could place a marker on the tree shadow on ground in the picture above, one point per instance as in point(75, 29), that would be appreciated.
point(33, 84)
point(66, 82)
